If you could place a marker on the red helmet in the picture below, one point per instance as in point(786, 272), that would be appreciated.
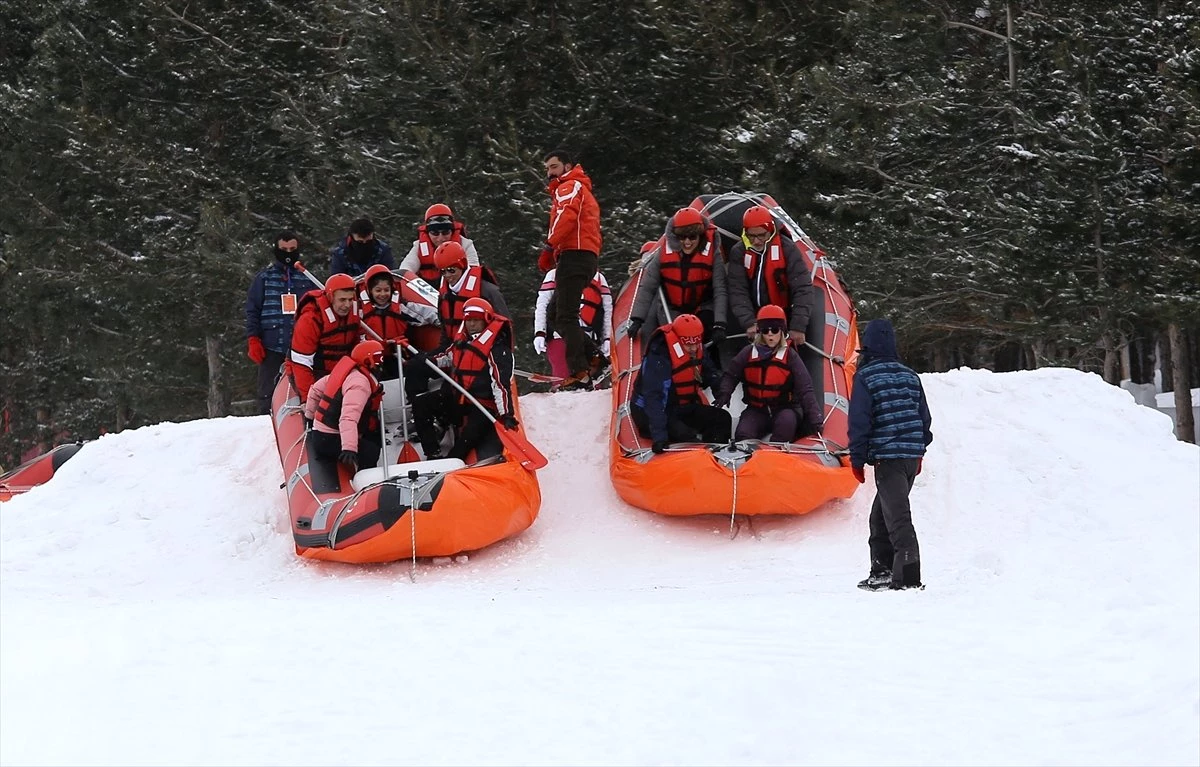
point(758, 216)
point(687, 217)
point(474, 307)
point(771, 312)
point(439, 213)
point(689, 328)
point(375, 271)
point(367, 354)
point(338, 282)
point(450, 254)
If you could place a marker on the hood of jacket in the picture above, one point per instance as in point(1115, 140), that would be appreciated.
point(879, 341)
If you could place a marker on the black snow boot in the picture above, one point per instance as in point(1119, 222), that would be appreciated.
point(909, 577)
point(880, 577)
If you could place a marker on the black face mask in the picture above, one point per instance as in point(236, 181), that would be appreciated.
point(286, 257)
point(362, 250)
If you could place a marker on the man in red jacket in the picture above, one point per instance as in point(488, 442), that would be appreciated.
point(573, 248)
point(327, 328)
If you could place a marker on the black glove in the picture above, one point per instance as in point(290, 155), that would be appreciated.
point(721, 402)
point(634, 327)
point(659, 445)
point(718, 333)
point(350, 458)
point(508, 421)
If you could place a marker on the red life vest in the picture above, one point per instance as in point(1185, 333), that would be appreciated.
point(387, 320)
point(472, 356)
point(450, 304)
point(428, 270)
point(329, 408)
point(336, 336)
point(685, 370)
point(687, 280)
point(774, 273)
point(767, 377)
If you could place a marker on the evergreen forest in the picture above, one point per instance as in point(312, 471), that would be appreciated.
point(1014, 184)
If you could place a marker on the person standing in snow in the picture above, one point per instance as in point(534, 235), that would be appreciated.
point(573, 249)
point(271, 303)
point(889, 428)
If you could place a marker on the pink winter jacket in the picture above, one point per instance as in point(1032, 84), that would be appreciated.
point(356, 393)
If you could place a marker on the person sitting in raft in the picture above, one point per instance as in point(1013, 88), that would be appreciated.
point(344, 409)
point(776, 386)
point(668, 404)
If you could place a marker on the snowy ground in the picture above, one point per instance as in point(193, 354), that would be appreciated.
point(152, 611)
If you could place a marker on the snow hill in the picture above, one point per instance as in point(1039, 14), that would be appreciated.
point(152, 610)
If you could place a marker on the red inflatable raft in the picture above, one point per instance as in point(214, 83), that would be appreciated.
point(748, 477)
point(36, 471)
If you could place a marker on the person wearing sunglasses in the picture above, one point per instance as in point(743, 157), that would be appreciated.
point(687, 271)
point(271, 304)
point(359, 250)
point(439, 225)
point(667, 403)
point(344, 410)
point(768, 268)
point(776, 386)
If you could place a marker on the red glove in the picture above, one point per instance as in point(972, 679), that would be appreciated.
point(255, 350)
point(919, 462)
point(546, 259)
point(858, 474)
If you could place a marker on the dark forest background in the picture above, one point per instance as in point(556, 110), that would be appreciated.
point(1014, 184)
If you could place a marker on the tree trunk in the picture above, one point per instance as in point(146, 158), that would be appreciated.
point(218, 392)
point(1112, 360)
point(1164, 361)
point(1185, 426)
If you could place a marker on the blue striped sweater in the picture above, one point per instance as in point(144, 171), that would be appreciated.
point(889, 417)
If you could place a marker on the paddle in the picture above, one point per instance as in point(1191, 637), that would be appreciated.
point(537, 377)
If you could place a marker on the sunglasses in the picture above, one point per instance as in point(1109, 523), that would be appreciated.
point(440, 228)
point(688, 234)
point(770, 329)
point(758, 235)
point(451, 270)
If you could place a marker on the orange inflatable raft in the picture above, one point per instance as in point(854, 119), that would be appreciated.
point(411, 508)
point(36, 471)
point(749, 477)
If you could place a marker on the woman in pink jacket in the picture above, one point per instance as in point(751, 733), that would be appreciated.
point(343, 408)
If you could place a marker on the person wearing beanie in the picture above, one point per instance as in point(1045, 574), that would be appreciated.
point(271, 303)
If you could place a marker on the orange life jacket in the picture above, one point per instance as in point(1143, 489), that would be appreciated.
point(775, 273)
point(768, 379)
point(472, 356)
point(329, 408)
point(686, 371)
point(386, 320)
point(428, 270)
point(450, 304)
point(687, 280)
point(336, 336)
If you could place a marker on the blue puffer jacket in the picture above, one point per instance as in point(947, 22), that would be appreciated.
point(889, 417)
point(264, 308)
point(342, 259)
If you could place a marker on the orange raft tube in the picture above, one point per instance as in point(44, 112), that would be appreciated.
point(417, 509)
point(36, 471)
point(749, 477)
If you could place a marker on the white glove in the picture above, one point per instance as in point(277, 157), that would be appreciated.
point(539, 344)
point(605, 347)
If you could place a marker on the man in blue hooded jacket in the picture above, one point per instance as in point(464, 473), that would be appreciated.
point(889, 428)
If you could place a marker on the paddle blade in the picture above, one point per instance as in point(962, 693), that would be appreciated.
point(530, 457)
point(408, 454)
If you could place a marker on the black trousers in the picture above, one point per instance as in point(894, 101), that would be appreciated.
point(689, 423)
point(575, 270)
point(893, 540)
point(329, 447)
point(268, 375)
point(435, 411)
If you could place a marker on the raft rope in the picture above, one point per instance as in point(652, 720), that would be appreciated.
point(733, 506)
point(412, 518)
